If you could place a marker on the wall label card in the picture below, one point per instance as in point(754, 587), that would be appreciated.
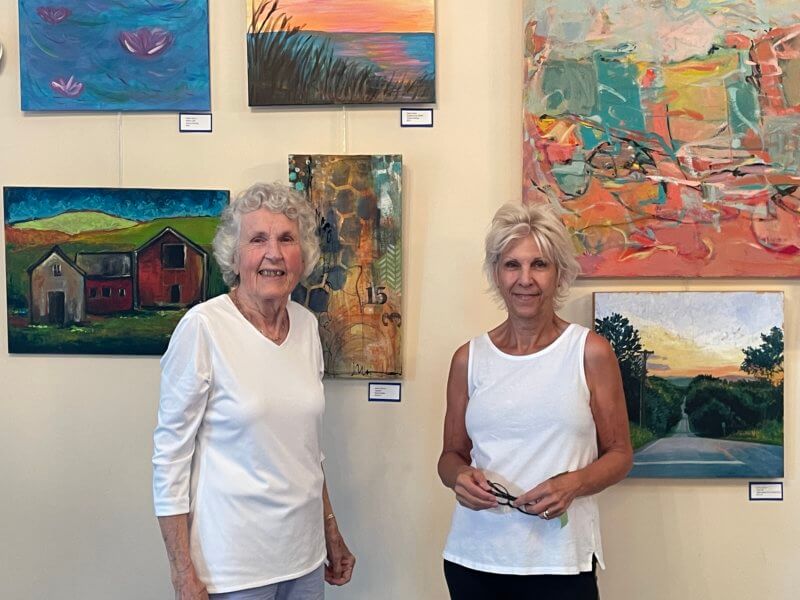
point(766, 491)
point(195, 123)
point(384, 392)
point(416, 117)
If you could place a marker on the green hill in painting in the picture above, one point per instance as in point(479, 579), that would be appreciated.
point(198, 229)
point(22, 253)
point(77, 222)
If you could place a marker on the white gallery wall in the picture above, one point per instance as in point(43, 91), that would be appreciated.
point(75, 432)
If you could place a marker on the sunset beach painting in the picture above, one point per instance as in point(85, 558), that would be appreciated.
point(340, 52)
point(665, 135)
point(703, 379)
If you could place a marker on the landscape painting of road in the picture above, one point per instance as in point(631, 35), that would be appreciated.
point(703, 379)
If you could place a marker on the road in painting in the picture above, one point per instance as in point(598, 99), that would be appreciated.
point(665, 135)
point(340, 52)
point(703, 380)
point(106, 271)
point(356, 288)
point(106, 55)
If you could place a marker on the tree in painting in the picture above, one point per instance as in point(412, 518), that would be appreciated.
point(765, 362)
point(627, 346)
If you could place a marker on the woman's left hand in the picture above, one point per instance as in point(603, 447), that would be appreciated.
point(339, 568)
point(552, 496)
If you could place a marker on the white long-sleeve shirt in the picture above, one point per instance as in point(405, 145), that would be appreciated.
point(237, 445)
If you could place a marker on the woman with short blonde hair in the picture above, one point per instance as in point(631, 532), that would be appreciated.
point(535, 426)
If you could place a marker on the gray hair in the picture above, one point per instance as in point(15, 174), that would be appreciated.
point(275, 198)
point(516, 221)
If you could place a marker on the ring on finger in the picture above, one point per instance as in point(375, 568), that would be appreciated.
point(546, 514)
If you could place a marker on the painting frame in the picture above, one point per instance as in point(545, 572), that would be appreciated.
point(663, 139)
point(106, 270)
point(100, 57)
point(703, 376)
point(346, 52)
point(356, 288)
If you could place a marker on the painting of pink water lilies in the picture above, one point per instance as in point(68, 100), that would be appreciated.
point(356, 289)
point(106, 270)
point(665, 134)
point(104, 55)
point(703, 380)
point(340, 52)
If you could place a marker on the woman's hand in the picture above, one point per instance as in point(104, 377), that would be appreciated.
point(472, 490)
point(188, 586)
point(339, 568)
point(553, 496)
point(175, 531)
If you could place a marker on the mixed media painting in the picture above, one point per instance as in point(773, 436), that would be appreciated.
point(106, 270)
point(703, 379)
point(340, 52)
point(114, 56)
point(356, 289)
point(665, 134)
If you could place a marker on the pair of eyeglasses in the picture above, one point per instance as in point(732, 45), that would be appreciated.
point(503, 496)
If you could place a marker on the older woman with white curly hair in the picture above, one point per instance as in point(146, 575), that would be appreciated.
point(535, 427)
point(238, 483)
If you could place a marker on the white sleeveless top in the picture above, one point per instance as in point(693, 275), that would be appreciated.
point(529, 419)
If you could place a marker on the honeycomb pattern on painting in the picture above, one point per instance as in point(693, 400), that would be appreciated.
point(360, 336)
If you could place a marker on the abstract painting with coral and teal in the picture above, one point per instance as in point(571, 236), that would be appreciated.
point(105, 55)
point(665, 133)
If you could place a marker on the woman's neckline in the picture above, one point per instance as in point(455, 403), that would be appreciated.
point(539, 352)
point(256, 330)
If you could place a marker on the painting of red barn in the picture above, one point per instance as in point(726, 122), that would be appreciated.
point(106, 270)
point(171, 271)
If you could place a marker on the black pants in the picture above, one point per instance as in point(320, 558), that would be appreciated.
point(468, 584)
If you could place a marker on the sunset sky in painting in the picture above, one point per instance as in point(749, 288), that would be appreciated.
point(361, 16)
point(695, 333)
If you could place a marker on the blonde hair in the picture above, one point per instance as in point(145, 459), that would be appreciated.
point(516, 221)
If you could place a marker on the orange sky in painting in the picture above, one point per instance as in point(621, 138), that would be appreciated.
point(362, 16)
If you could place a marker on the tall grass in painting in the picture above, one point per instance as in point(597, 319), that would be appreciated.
point(288, 65)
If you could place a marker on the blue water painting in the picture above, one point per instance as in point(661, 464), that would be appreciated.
point(109, 55)
point(393, 54)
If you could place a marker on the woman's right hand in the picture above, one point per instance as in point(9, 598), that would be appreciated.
point(188, 586)
point(472, 490)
